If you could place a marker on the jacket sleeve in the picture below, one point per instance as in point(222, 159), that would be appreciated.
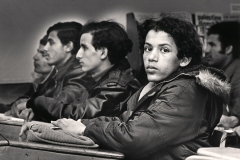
point(235, 97)
point(71, 89)
point(107, 101)
point(174, 117)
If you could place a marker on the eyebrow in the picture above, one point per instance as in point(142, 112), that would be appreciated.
point(164, 44)
point(50, 40)
point(211, 43)
point(83, 45)
point(40, 51)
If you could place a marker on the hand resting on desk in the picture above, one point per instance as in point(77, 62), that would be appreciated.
point(27, 114)
point(17, 108)
point(75, 128)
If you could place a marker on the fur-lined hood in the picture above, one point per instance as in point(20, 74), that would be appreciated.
point(210, 78)
point(213, 83)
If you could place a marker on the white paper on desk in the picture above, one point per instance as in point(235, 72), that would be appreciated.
point(9, 118)
point(225, 130)
point(229, 130)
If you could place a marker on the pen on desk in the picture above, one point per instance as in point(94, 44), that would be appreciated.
point(55, 128)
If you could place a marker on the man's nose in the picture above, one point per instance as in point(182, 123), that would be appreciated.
point(153, 55)
point(207, 49)
point(45, 48)
point(35, 57)
point(79, 54)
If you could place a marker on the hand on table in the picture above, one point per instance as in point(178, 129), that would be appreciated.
point(23, 130)
point(27, 114)
point(228, 121)
point(75, 128)
point(16, 108)
point(237, 130)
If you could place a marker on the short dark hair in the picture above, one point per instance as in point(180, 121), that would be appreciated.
point(181, 30)
point(68, 32)
point(111, 35)
point(229, 34)
point(44, 40)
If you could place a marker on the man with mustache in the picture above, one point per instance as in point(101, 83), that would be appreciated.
point(67, 81)
point(223, 50)
point(42, 68)
point(176, 112)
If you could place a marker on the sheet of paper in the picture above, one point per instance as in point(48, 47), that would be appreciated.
point(9, 118)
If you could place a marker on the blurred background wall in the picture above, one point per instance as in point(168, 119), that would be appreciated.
point(24, 22)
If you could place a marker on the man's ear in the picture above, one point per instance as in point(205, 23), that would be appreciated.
point(185, 61)
point(69, 46)
point(229, 49)
point(104, 53)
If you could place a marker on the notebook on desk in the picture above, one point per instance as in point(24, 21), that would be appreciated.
point(220, 153)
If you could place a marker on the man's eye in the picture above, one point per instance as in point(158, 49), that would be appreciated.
point(211, 44)
point(147, 48)
point(44, 54)
point(84, 48)
point(164, 50)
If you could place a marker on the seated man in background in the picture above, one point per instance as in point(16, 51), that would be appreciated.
point(176, 112)
point(67, 81)
point(42, 68)
point(103, 48)
point(223, 50)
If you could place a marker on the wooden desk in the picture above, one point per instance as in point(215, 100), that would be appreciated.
point(12, 148)
point(10, 129)
point(26, 150)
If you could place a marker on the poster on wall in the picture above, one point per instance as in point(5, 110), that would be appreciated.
point(139, 16)
point(231, 17)
point(235, 8)
point(203, 20)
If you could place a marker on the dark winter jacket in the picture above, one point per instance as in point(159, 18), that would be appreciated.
point(108, 97)
point(170, 122)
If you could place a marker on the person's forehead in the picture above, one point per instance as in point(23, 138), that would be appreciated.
point(86, 38)
point(41, 47)
point(160, 37)
point(213, 37)
point(53, 35)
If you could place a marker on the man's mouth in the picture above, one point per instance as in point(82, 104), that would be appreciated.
point(151, 68)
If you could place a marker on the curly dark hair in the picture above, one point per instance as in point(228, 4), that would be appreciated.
point(229, 34)
point(111, 35)
point(68, 32)
point(182, 32)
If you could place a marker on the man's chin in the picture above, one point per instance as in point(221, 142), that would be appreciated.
point(154, 79)
point(209, 62)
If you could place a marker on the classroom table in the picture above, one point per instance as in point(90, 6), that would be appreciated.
point(11, 147)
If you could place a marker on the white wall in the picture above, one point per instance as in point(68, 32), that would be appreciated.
point(24, 22)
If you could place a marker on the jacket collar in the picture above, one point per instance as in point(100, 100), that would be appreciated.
point(67, 67)
point(210, 78)
point(98, 76)
point(121, 65)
